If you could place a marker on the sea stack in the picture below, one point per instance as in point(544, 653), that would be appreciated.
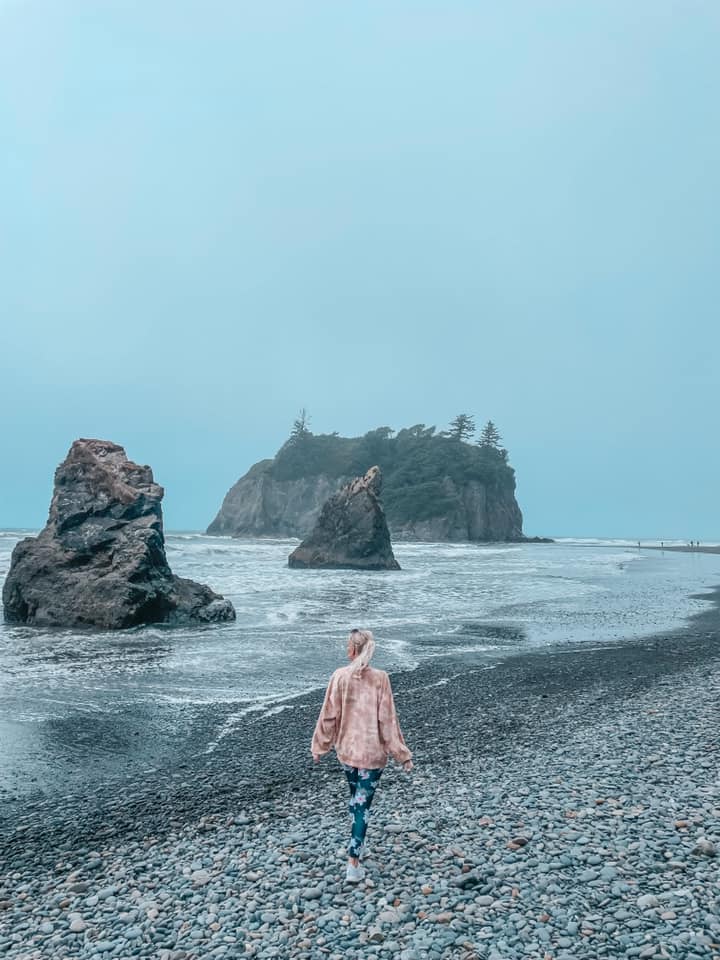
point(351, 531)
point(100, 560)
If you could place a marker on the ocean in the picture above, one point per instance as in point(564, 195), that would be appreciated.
point(76, 706)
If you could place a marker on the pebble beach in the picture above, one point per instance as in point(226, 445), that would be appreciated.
point(564, 804)
point(361, 335)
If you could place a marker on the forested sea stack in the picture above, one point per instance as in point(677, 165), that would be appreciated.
point(351, 531)
point(436, 485)
point(100, 560)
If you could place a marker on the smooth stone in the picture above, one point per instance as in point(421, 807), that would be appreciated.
point(312, 893)
point(81, 886)
point(705, 848)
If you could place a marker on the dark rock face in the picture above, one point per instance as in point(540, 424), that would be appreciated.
point(100, 560)
point(351, 531)
point(261, 505)
point(477, 513)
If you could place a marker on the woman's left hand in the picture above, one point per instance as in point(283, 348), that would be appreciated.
point(316, 758)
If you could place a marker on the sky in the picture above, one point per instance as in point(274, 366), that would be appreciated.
point(214, 213)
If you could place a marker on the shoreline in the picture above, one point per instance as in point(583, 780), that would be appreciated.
point(199, 727)
point(556, 806)
point(680, 549)
point(629, 545)
point(265, 755)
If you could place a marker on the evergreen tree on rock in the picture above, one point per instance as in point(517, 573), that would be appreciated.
point(300, 427)
point(490, 436)
point(461, 428)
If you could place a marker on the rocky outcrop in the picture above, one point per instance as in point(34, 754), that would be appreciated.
point(100, 560)
point(351, 531)
point(473, 511)
point(260, 505)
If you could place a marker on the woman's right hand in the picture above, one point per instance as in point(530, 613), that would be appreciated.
point(407, 766)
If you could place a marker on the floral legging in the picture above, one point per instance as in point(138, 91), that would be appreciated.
point(362, 789)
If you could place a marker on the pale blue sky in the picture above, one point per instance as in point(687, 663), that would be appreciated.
point(213, 213)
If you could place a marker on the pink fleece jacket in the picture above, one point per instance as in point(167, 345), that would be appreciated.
point(358, 718)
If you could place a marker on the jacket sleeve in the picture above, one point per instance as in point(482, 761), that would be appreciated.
point(329, 720)
point(390, 734)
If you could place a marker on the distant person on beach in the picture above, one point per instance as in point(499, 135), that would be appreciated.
point(358, 718)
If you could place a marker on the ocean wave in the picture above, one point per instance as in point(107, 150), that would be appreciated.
point(263, 706)
point(459, 600)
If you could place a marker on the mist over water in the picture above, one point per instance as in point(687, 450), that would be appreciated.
point(77, 706)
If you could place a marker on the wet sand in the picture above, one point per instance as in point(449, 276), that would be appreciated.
point(678, 549)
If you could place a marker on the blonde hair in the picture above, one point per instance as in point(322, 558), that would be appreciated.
point(363, 643)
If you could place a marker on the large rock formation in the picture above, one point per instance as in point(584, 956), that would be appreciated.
point(100, 560)
point(351, 531)
point(262, 505)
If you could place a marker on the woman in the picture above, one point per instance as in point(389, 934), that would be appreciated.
point(358, 718)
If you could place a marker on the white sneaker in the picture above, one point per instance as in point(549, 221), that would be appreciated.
point(354, 874)
point(363, 851)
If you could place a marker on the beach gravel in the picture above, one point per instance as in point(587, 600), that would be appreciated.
point(593, 835)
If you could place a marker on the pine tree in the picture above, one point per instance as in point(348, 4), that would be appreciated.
point(300, 427)
point(461, 428)
point(489, 436)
